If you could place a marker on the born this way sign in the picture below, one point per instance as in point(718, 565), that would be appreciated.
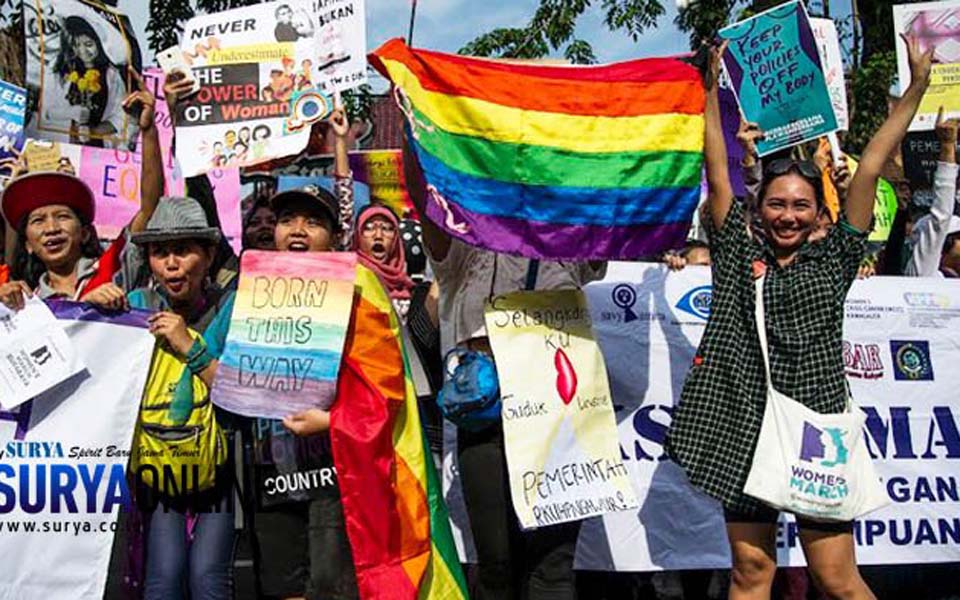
point(287, 331)
point(559, 429)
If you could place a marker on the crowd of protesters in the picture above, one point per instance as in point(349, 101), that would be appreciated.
point(809, 230)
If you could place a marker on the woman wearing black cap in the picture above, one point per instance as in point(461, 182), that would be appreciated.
point(58, 254)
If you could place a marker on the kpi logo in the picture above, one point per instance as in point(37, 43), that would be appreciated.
point(697, 302)
point(815, 445)
point(862, 360)
point(911, 360)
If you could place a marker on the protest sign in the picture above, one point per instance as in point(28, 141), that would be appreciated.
point(78, 52)
point(69, 447)
point(934, 24)
point(828, 45)
point(898, 345)
point(287, 331)
point(264, 72)
point(382, 171)
point(36, 353)
point(114, 179)
point(13, 108)
point(558, 424)
point(885, 206)
point(920, 151)
point(773, 63)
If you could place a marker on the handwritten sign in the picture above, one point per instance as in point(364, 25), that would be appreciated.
point(937, 25)
point(114, 179)
point(287, 332)
point(558, 423)
point(36, 356)
point(828, 45)
point(13, 108)
point(773, 63)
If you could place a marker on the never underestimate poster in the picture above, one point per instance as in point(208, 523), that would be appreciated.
point(558, 422)
point(934, 24)
point(287, 331)
point(266, 72)
point(774, 65)
point(78, 52)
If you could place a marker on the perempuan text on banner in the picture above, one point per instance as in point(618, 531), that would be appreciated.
point(266, 73)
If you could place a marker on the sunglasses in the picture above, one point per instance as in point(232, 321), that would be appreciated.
point(805, 168)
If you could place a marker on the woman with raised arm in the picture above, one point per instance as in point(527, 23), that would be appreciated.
point(716, 425)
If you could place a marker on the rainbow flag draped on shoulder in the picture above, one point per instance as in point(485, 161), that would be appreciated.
point(397, 523)
point(556, 162)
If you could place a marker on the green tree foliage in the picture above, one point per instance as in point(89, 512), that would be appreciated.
point(552, 28)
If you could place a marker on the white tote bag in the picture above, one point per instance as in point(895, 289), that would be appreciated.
point(807, 463)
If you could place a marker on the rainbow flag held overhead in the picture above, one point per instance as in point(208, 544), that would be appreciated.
point(396, 520)
point(555, 162)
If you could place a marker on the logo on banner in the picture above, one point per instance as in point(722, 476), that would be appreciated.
point(815, 445)
point(625, 297)
point(697, 302)
point(926, 300)
point(862, 360)
point(911, 360)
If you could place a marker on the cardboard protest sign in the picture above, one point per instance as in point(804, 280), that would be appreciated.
point(13, 108)
point(558, 424)
point(265, 73)
point(884, 206)
point(773, 63)
point(828, 45)
point(36, 353)
point(920, 151)
point(78, 52)
point(382, 171)
point(934, 24)
point(287, 330)
point(114, 179)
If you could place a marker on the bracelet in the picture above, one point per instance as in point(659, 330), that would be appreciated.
point(197, 364)
point(195, 350)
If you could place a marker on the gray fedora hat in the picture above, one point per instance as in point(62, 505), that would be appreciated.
point(177, 218)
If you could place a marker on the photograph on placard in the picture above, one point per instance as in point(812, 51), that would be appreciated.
point(78, 54)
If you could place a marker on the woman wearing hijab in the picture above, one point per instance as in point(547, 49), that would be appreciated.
point(379, 248)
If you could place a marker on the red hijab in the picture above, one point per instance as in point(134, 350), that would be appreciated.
point(393, 269)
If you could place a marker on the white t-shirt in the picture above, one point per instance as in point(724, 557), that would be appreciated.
point(467, 275)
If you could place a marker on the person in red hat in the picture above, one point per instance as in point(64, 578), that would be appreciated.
point(57, 252)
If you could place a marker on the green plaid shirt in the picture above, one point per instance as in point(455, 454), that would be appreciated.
point(715, 427)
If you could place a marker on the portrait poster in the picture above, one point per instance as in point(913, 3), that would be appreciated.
point(78, 53)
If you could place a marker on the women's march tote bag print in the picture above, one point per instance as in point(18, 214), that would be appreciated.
point(811, 464)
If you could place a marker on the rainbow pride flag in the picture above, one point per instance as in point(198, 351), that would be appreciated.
point(556, 162)
point(396, 520)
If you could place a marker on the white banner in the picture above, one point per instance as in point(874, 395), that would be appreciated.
point(900, 349)
point(68, 449)
point(828, 45)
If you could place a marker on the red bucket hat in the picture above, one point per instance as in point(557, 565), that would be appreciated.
point(35, 190)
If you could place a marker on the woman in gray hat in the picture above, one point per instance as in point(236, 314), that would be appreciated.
point(180, 245)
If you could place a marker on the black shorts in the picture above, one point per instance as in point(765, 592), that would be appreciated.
point(304, 551)
point(767, 514)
